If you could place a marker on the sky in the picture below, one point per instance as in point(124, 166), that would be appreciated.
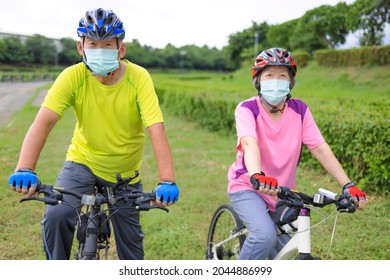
point(158, 22)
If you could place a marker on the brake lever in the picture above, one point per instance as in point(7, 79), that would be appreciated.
point(145, 207)
point(284, 202)
point(46, 200)
point(49, 191)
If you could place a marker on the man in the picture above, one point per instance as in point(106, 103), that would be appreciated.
point(113, 101)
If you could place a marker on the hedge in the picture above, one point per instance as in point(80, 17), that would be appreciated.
point(378, 55)
point(301, 58)
point(26, 76)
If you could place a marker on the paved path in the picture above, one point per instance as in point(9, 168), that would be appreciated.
point(13, 96)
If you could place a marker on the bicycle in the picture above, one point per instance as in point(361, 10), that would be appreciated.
point(227, 233)
point(93, 228)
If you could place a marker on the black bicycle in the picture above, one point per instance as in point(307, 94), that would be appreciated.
point(93, 224)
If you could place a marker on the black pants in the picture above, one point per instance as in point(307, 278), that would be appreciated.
point(59, 221)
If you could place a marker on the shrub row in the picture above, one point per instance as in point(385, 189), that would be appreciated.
point(378, 55)
point(217, 116)
point(26, 76)
point(301, 58)
point(361, 144)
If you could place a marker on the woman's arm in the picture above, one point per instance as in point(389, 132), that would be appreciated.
point(325, 156)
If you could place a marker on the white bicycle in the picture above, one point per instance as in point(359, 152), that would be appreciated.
point(227, 232)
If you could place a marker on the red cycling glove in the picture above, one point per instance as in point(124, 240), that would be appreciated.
point(261, 180)
point(351, 190)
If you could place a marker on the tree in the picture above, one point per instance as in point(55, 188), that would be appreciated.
point(69, 54)
point(41, 49)
point(3, 50)
point(279, 35)
point(15, 52)
point(369, 16)
point(322, 27)
point(241, 44)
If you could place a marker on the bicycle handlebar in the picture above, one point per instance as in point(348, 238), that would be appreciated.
point(296, 199)
point(142, 201)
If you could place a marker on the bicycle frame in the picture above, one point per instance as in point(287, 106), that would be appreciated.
point(236, 252)
point(300, 242)
point(89, 250)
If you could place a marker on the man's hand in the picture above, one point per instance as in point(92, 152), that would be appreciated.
point(167, 193)
point(23, 181)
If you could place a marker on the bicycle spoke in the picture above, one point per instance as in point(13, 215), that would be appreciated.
point(225, 241)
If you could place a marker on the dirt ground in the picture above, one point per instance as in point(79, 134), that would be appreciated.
point(13, 96)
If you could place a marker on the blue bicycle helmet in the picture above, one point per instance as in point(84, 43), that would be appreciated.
point(101, 24)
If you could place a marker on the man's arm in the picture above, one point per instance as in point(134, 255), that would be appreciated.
point(36, 138)
point(162, 152)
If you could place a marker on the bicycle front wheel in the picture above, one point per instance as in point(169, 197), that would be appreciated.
point(226, 234)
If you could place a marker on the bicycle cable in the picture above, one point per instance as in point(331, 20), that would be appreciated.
point(326, 217)
point(333, 231)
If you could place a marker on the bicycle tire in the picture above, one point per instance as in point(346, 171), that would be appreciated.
point(225, 223)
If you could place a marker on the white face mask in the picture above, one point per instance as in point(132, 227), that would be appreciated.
point(101, 61)
point(274, 91)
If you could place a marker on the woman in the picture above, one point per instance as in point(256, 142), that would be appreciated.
point(271, 129)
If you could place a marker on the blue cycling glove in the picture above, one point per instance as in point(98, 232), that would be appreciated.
point(167, 192)
point(23, 179)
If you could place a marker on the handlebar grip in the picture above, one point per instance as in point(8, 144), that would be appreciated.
point(283, 192)
point(346, 204)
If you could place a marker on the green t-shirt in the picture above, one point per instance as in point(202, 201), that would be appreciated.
point(109, 134)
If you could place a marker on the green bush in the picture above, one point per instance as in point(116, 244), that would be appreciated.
point(362, 146)
point(12, 76)
point(378, 55)
point(214, 115)
point(301, 58)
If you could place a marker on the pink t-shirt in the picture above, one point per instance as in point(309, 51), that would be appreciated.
point(280, 143)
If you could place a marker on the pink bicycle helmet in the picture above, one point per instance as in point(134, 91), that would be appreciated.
point(274, 57)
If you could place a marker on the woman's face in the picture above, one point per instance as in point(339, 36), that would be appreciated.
point(275, 73)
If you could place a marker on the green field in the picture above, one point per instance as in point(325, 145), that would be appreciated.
point(201, 161)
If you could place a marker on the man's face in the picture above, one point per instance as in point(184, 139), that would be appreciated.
point(89, 43)
point(100, 44)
